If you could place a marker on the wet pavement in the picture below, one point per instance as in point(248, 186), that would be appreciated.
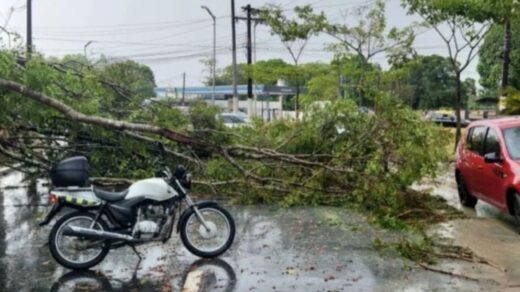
point(488, 232)
point(304, 249)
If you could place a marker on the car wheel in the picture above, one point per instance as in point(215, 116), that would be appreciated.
point(466, 199)
point(516, 208)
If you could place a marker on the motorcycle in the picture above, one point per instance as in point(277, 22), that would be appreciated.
point(143, 213)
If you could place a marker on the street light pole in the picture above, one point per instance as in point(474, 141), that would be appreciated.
point(85, 48)
point(214, 63)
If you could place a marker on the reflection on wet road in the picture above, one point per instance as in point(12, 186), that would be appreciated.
point(304, 249)
point(219, 276)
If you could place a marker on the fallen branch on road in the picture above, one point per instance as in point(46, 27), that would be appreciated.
point(429, 268)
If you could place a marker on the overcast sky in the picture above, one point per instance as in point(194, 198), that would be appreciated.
point(172, 36)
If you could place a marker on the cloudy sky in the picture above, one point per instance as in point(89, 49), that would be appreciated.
point(172, 36)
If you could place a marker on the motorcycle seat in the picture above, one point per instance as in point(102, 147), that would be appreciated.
point(110, 196)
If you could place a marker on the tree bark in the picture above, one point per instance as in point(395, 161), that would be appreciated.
point(458, 105)
point(506, 59)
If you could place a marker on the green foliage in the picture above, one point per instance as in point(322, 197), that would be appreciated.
point(97, 90)
point(224, 76)
point(291, 30)
point(490, 60)
point(206, 124)
point(320, 88)
point(499, 11)
point(268, 72)
point(422, 252)
point(427, 82)
point(385, 152)
point(512, 106)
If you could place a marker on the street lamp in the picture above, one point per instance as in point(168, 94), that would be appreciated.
point(214, 50)
point(85, 48)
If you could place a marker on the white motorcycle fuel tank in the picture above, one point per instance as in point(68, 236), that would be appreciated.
point(156, 189)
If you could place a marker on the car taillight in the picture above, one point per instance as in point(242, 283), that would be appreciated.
point(53, 199)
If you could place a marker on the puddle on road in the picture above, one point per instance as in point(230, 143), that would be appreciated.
point(304, 249)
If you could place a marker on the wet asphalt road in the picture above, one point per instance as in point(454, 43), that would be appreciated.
point(305, 249)
point(488, 232)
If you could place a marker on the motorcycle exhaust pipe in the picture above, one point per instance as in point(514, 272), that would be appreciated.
point(93, 233)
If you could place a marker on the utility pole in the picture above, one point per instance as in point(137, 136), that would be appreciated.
point(29, 28)
point(249, 62)
point(248, 9)
point(255, 97)
point(249, 51)
point(214, 62)
point(234, 41)
point(183, 87)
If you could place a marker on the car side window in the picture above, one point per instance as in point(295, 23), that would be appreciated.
point(468, 137)
point(492, 144)
point(476, 141)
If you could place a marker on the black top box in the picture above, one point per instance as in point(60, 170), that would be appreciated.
point(70, 172)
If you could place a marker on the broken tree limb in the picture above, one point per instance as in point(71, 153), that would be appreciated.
point(431, 269)
point(184, 139)
point(174, 153)
point(233, 154)
point(74, 115)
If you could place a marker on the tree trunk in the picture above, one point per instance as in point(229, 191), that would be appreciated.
point(458, 99)
point(297, 97)
point(506, 58)
point(296, 100)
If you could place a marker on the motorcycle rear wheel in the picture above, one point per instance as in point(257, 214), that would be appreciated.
point(75, 252)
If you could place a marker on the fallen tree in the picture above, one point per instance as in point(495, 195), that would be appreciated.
point(336, 155)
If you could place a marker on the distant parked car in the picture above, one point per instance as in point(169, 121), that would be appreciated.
point(488, 165)
point(232, 120)
point(445, 118)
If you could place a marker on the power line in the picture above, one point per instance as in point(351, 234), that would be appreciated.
point(128, 25)
point(115, 42)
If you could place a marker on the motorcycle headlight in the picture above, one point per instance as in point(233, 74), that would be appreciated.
point(186, 181)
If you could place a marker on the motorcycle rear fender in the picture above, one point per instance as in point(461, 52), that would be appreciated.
point(186, 212)
point(56, 208)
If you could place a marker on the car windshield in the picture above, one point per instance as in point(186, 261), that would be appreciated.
point(512, 137)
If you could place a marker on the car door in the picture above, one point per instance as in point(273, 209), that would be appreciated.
point(463, 152)
point(474, 160)
point(492, 174)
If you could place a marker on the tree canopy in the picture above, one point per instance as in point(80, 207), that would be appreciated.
point(428, 82)
point(490, 60)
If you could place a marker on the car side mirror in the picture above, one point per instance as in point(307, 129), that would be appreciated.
point(493, 158)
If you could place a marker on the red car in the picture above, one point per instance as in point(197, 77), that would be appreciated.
point(488, 164)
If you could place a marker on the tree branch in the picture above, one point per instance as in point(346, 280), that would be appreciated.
point(74, 115)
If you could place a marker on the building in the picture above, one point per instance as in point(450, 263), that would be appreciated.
point(268, 101)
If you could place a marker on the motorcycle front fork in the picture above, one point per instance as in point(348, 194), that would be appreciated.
point(191, 204)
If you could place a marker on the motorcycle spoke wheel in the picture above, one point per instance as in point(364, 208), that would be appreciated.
point(208, 238)
point(76, 249)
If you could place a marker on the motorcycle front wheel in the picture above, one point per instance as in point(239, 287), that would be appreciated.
point(211, 240)
point(73, 251)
